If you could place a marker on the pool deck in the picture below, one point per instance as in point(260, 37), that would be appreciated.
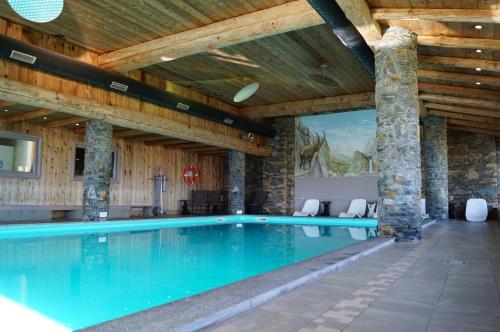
point(450, 281)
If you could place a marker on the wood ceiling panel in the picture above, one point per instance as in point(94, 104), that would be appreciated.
point(282, 64)
point(106, 25)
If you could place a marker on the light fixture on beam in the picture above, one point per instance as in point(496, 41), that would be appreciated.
point(478, 83)
point(248, 137)
point(6, 110)
point(478, 69)
point(39, 11)
point(478, 26)
point(479, 51)
point(77, 124)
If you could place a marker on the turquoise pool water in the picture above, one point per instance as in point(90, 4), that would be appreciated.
point(82, 274)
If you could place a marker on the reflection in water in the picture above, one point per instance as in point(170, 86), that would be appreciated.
point(83, 280)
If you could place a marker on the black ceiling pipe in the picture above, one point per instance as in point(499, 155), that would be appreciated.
point(61, 65)
point(335, 18)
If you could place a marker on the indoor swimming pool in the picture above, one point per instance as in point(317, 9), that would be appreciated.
point(80, 274)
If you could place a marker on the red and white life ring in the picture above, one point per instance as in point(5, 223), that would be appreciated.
point(190, 174)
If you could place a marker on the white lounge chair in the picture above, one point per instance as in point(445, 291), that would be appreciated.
point(310, 209)
point(356, 209)
point(476, 210)
point(311, 231)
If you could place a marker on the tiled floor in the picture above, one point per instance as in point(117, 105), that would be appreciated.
point(450, 282)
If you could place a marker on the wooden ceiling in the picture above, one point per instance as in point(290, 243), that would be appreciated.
point(216, 47)
point(455, 80)
point(286, 63)
point(287, 66)
point(107, 25)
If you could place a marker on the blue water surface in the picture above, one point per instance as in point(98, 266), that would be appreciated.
point(84, 279)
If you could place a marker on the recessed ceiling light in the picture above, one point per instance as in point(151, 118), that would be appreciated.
point(45, 118)
point(478, 69)
point(478, 26)
point(77, 124)
point(478, 83)
point(37, 11)
point(5, 110)
point(479, 51)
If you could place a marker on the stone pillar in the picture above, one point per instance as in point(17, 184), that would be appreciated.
point(398, 137)
point(435, 158)
point(236, 182)
point(97, 170)
point(278, 171)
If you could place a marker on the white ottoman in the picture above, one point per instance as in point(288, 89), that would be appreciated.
point(476, 210)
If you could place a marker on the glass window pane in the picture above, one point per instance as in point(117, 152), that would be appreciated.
point(17, 155)
point(79, 161)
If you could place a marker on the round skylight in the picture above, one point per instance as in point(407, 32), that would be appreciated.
point(40, 11)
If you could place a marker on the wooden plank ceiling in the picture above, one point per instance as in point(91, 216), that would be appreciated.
point(455, 79)
point(287, 63)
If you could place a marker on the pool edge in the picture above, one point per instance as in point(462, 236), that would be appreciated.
point(212, 307)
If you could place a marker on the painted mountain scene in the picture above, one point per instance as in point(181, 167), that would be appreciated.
point(339, 144)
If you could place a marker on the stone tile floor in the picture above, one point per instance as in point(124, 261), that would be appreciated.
point(450, 281)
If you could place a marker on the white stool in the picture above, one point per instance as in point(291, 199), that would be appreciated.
point(476, 210)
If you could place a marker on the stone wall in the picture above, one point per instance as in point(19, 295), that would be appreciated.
point(472, 168)
point(497, 141)
point(278, 171)
point(435, 166)
point(236, 182)
point(253, 170)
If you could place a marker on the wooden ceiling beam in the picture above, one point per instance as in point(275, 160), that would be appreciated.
point(441, 15)
point(493, 65)
point(146, 138)
point(311, 106)
point(358, 12)
point(291, 16)
point(64, 122)
point(464, 110)
point(458, 90)
point(474, 130)
point(440, 99)
point(127, 133)
point(25, 116)
point(459, 42)
point(458, 77)
point(165, 141)
point(4, 104)
point(465, 117)
point(185, 145)
point(206, 149)
point(31, 95)
point(474, 124)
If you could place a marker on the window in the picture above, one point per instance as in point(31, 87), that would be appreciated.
point(78, 162)
point(20, 155)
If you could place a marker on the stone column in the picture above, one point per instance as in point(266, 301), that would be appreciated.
point(278, 171)
point(398, 137)
point(97, 170)
point(435, 158)
point(236, 182)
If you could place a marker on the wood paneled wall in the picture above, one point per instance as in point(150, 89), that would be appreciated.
point(138, 163)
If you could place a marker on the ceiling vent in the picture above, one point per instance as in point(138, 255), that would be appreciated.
point(119, 86)
point(183, 106)
point(20, 56)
